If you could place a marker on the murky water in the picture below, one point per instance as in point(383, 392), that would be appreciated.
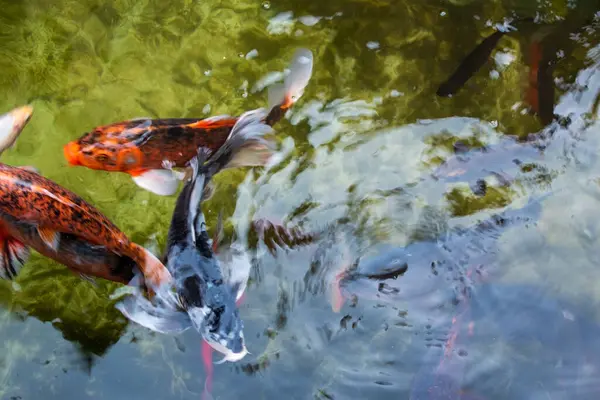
point(358, 151)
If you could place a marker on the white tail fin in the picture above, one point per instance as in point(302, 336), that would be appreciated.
point(286, 94)
point(247, 145)
point(161, 317)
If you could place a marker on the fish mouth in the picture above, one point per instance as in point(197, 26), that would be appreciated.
point(71, 151)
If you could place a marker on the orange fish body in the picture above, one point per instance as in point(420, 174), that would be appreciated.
point(29, 197)
point(78, 255)
point(139, 145)
point(148, 149)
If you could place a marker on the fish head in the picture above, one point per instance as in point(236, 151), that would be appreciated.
point(105, 156)
point(220, 325)
point(224, 331)
point(108, 148)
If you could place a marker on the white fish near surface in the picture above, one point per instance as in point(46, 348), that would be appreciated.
point(12, 124)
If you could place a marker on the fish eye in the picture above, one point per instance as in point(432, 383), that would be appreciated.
point(102, 157)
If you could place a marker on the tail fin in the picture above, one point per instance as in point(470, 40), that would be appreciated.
point(155, 273)
point(246, 145)
point(11, 125)
point(13, 255)
point(162, 317)
point(286, 94)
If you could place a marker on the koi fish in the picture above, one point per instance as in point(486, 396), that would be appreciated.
point(58, 214)
point(470, 65)
point(278, 236)
point(149, 149)
point(473, 62)
point(206, 294)
point(445, 380)
point(81, 257)
point(424, 267)
point(502, 160)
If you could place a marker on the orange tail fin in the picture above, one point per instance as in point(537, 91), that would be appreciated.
point(154, 271)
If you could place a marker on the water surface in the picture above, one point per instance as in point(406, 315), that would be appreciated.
point(357, 151)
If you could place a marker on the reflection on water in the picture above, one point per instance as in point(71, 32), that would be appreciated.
point(380, 184)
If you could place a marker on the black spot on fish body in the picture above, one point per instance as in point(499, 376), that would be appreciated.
point(344, 321)
point(391, 272)
point(214, 318)
point(384, 288)
point(191, 292)
point(77, 215)
point(203, 244)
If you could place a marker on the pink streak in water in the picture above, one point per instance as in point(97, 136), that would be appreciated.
point(208, 368)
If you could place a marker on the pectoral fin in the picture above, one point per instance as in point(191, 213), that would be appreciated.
point(13, 255)
point(162, 182)
point(160, 319)
point(50, 237)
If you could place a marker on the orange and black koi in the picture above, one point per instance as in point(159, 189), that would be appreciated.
point(81, 257)
point(54, 211)
point(148, 149)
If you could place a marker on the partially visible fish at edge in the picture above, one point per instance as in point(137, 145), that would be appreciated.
point(12, 124)
point(81, 257)
point(55, 211)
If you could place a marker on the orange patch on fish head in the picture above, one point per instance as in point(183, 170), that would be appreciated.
point(71, 151)
point(94, 156)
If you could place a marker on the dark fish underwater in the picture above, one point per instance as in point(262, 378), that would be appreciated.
point(424, 267)
point(548, 45)
point(149, 149)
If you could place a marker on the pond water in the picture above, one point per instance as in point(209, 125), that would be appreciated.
point(357, 154)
